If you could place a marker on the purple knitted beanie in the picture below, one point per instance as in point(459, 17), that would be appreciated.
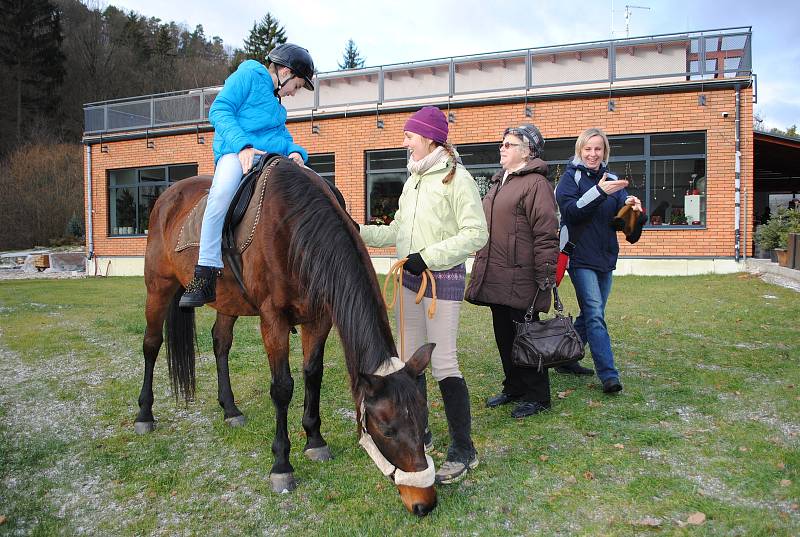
point(430, 123)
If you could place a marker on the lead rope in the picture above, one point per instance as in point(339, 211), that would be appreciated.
point(396, 275)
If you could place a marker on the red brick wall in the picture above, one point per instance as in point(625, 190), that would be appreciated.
point(349, 138)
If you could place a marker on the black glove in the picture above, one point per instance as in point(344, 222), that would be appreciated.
point(415, 264)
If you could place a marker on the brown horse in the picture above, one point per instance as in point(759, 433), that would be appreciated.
point(306, 266)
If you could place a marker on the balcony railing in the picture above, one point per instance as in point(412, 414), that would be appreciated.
point(667, 58)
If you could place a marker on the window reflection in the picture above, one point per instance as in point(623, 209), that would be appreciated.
point(386, 174)
point(133, 193)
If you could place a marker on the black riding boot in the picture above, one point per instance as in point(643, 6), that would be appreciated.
point(461, 454)
point(427, 437)
point(202, 289)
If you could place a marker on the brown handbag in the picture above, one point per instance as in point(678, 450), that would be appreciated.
point(547, 343)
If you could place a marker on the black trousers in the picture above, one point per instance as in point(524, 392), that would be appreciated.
point(523, 382)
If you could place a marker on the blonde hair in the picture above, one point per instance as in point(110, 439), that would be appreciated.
point(591, 133)
point(450, 151)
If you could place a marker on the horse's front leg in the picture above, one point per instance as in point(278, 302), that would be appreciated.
point(222, 335)
point(314, 336)
point(275, 333)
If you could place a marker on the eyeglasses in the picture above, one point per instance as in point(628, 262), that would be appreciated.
point(508, 145)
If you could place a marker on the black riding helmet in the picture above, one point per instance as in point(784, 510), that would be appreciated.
point(297, 59)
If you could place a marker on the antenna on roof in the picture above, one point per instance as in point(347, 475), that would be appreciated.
point(628, 10)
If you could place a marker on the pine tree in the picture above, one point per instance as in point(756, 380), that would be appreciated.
point(31, 57)
point(351, 59)
point(265, 36)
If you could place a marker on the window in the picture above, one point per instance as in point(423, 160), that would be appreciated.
point(666, 171)
point(482, 161)
point(676, 193)
point(133, 192)
point(324, 165)
point(386, 174)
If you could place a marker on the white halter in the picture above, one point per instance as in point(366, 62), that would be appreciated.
point(421, 479)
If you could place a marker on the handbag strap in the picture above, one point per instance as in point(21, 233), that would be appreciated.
point(559, 307)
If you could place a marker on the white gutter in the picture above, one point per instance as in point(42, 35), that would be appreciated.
point(737, 231)
point(90, 211)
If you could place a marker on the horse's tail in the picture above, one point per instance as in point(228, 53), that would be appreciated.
point(181, 341)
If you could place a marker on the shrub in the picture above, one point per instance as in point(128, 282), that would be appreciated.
point(41, 186)
point(775, 233)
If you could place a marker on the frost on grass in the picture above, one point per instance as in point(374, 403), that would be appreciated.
point(738, 410)
point(54, 404)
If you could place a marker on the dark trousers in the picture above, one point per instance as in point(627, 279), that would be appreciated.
point(523, 382)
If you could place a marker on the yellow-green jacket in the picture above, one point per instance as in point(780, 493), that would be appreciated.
point(444, 223)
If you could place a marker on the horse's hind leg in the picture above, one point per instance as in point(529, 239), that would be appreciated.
point(222, 335)
point(314, 336)
point(275, 333)
point(159, 295)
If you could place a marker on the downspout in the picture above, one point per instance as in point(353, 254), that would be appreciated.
point(90, 209)
point(738, 185)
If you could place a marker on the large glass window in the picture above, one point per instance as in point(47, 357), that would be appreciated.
point(132, 193)
point(482, 161)
point(666, 171)
point(324, 165)
point(386, 174)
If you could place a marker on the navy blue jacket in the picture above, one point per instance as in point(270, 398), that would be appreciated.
point(584, 205)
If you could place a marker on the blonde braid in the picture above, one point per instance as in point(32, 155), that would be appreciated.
point(452, 172)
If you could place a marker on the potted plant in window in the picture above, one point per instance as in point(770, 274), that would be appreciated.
point(774, 235)
point(678, 218)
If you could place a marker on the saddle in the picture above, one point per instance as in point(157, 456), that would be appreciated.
point(242, 217)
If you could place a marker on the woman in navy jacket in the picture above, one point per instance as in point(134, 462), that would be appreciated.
point(248, 121)
point(589, 197)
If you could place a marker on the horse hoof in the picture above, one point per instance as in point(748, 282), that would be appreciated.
point(236, 421)
point(283, 483)
point(143, 427)
point(320, 454)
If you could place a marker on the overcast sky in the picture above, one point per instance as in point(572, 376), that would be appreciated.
point(411, 30)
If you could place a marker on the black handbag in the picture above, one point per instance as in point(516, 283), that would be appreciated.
point(548, 343)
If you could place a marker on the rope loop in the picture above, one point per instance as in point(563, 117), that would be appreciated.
point(396, 276)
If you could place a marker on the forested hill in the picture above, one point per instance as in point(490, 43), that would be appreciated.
point(57, 55)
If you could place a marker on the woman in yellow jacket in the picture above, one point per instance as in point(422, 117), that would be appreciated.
point(438, 224)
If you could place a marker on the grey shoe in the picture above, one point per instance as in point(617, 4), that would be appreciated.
point(455, 471)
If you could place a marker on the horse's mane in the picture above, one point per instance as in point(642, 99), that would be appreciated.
point(334, 269)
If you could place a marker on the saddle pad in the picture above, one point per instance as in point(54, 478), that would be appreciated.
point(190, 231)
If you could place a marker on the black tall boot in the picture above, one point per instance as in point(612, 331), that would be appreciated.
point(202, 289)
point(427, 437)
point(461, 454)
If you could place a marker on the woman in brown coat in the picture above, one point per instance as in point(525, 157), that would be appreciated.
point(518, 261)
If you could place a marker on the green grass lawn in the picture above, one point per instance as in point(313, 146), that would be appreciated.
point(709, 422)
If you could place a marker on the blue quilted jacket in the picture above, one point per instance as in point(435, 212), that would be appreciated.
point(247, 113)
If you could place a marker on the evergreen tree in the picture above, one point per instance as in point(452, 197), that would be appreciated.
point(265, 36)
point(351, 59)
point(31, 58)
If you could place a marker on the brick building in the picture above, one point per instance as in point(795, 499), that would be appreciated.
point(676, 107)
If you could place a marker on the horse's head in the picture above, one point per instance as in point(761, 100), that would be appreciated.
point(391, 418)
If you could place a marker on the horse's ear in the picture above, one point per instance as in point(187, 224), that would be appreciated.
point(420, 360)
point(372, 384)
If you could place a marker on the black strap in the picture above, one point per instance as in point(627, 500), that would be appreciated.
point(574, 236)
point(559, 307)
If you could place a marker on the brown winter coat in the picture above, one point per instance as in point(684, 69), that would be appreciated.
point(522, 251)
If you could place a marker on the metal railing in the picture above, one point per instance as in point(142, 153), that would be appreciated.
point(693, 56)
